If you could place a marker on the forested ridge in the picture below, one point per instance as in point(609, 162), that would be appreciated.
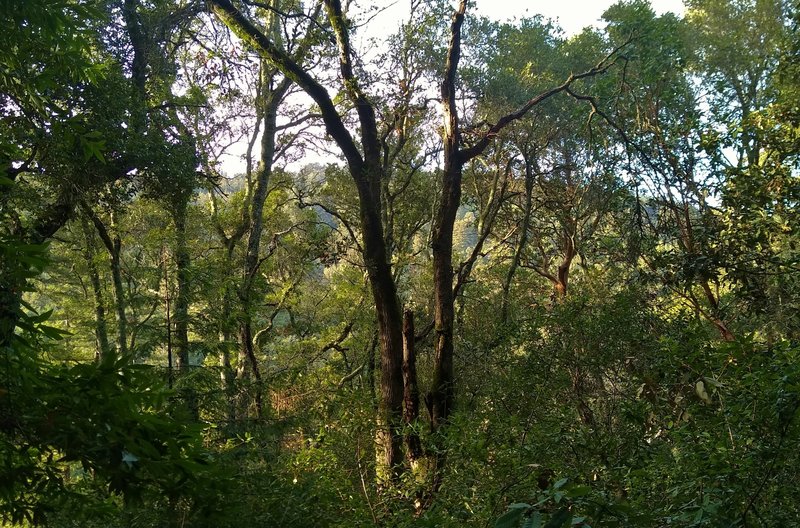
point(464, 273)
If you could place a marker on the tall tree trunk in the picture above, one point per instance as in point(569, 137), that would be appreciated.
point(226, 340)
point(181, 305)
point(119, 298)
point(270, 99)
point(182, 299)
point(364, 163)
point(521, 243)
point(410, 390)
point(562, 273)
point(390, 330)
point(226, 376)
point(443, 390)
point(103, 349)
point(113, 245)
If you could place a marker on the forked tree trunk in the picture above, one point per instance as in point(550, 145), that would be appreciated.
point(247, 356)
point(113, 245)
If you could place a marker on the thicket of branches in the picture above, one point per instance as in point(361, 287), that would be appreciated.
point(471, 272)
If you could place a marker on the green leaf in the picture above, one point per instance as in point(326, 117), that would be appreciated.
point(534, 521)
point(53, 333)
point(578, 491)
point(561, 518)
point(510, 519)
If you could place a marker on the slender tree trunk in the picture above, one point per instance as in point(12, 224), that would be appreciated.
point(226, 376)
point(715, 319)
point(182, 298)
point(100, 327)
point(410, 390)
point(119, 298)
point(443, 390)
point(182, 294)
point(226, 337)
point(113, 245)
point(521, 243)
point(247, 355)
point(270, 100)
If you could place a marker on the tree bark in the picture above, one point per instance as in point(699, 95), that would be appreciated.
point(456, 156)
point(103, 349)
point(521, 243)
point(114, 247)
point(182, 299)
point(365, 169)
point(410, 389)
point(390, 330)
point(562, 273)
point(182, 293)
point(442, 390)
point(270, 99)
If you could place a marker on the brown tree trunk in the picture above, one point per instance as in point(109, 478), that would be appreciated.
point(247, 356)
point(270, 101)
point(562, 273)
point(390, 331)
point(715, 319)
point(182, 297)
point(522, 242)
point(410, 389)
point(181, 314)
point(442, 391)
point(364, 163)
point(226, 375)
point(100, 326)
point(114, 247)
point(119, 298)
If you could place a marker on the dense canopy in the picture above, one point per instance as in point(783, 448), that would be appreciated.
point(265, 263)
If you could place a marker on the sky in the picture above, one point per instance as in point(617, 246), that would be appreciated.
point(571, 15)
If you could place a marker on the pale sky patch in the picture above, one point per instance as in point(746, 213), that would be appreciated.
point(570, 15)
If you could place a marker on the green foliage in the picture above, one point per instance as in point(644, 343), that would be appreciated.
point(669, 200)
point(77, 437)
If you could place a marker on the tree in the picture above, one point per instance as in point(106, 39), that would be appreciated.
point(366, 170)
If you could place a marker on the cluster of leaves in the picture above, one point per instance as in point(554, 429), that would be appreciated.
point(612, 402)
